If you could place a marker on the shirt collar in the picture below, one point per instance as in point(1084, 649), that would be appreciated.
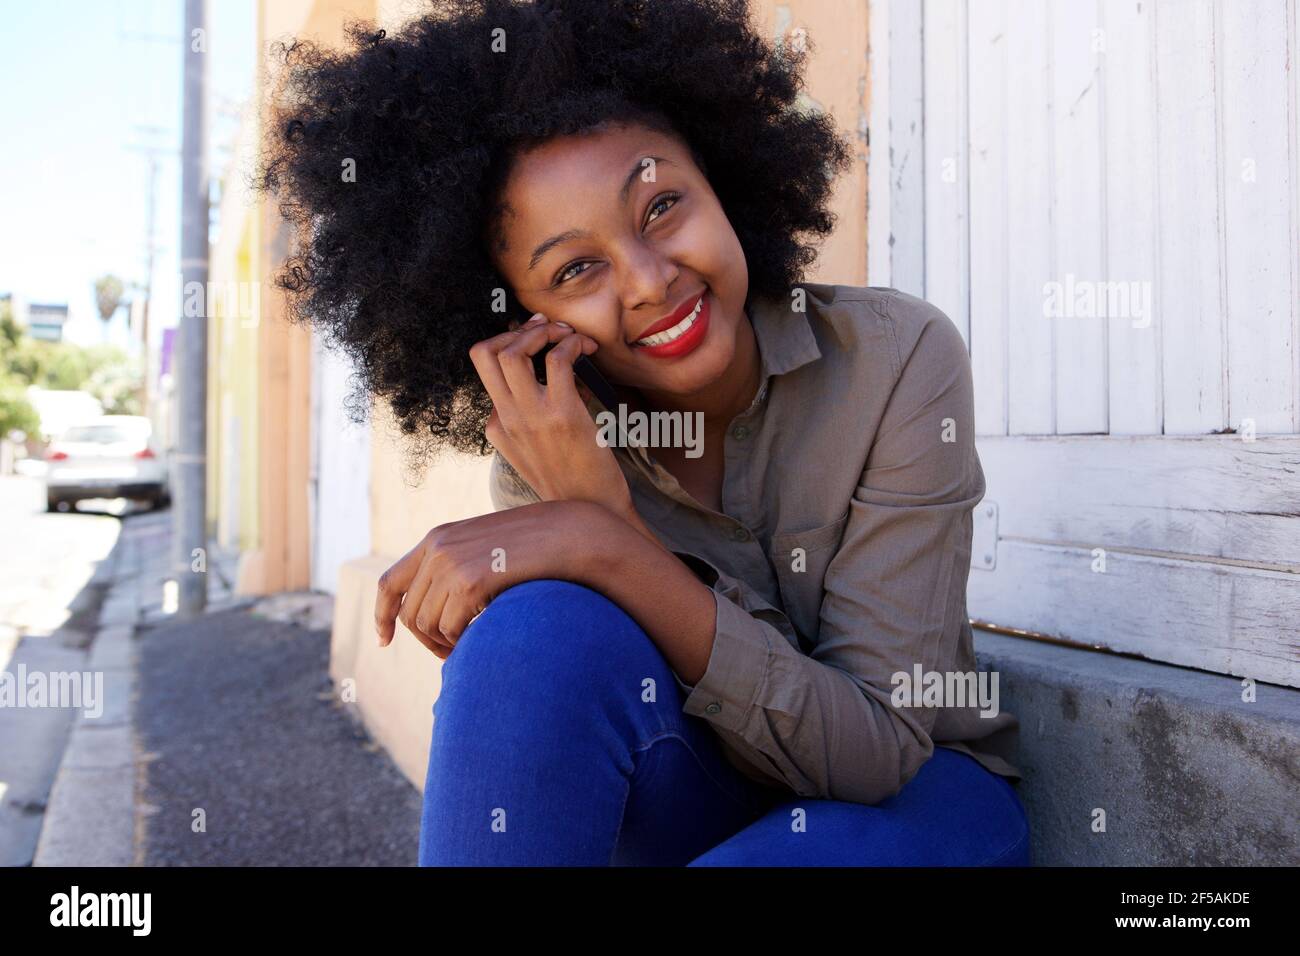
point(785, 336)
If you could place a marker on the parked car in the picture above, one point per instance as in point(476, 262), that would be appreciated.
point(113, 456)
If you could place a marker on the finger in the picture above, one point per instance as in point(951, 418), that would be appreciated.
point(393, 584)
point(561, 381)
point(516, 361)
point(457, 617)
point(419, 587)
point(431, 614)
point(484, 357)
point(427, 641)
point(534, 319)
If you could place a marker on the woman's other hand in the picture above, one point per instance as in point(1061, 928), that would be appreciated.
point(446, 580)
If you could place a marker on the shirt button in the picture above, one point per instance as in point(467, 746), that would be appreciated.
point(740, 534)
point(713, 708)
point(740, 433)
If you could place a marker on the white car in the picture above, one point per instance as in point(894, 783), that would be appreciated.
point(113, 456)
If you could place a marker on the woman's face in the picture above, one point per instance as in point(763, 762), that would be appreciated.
point(615, 232)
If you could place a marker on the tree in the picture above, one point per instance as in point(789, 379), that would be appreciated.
point(108, 297)
point(15, 411)
point(103, 370)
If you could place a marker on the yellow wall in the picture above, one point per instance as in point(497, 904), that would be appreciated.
point(232, 357)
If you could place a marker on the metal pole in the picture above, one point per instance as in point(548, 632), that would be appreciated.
point(189, 516)
point(146, 393)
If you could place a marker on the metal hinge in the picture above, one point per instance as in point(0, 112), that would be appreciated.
point(984, 538)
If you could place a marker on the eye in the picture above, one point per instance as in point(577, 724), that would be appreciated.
point(567, 273)
point(560, 276)
point(667, 197)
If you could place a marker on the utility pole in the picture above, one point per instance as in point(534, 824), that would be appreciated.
point(146, 393)
point(189, 513)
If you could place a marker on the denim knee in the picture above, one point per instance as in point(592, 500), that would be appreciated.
point(566, 633)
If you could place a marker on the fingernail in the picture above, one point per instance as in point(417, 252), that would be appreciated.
point(565, 324)
point(535, 319)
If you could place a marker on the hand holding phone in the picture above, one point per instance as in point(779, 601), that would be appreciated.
point(586, 371)
point(544, 428)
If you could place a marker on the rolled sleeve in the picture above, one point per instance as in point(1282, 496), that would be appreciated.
point(800, 721)
point(825, 723)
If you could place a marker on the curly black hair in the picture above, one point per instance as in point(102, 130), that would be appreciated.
point(392, 264)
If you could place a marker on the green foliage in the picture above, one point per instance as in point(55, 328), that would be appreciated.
point(15, 411)
point(117, 386)
point(103, 370)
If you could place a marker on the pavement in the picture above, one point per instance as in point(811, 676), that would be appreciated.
point(218, 740)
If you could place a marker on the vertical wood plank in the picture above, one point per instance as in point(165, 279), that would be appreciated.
point(906, 149)
point(1031, 401)
point(986, 81)
point(1293, 125)
point(947, 249)
point(879, 239)
point(1258, 177)
point(1189, 289)
point(1128, 74)
point(1081, 397)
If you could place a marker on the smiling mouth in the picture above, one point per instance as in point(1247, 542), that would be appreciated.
point(674, 333)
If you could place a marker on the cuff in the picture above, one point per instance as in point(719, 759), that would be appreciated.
point(736, 670)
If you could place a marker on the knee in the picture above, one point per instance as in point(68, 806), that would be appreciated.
point(553, 630)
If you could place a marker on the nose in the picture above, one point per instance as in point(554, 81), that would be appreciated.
point(648, 274)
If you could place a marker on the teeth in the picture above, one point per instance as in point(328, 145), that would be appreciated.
point(667, 335)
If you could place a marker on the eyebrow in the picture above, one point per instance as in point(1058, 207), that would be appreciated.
point(548, 244)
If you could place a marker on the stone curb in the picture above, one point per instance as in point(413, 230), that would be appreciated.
point(91, 816)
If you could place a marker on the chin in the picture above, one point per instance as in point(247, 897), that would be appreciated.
point(700, 370)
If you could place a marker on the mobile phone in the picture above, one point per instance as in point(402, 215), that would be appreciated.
point(586, 370)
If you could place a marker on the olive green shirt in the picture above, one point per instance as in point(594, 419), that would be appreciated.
point(841, 556)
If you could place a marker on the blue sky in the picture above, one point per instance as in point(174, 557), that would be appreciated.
point(84, 81)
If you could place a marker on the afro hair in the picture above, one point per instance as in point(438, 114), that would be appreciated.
point(392, 264)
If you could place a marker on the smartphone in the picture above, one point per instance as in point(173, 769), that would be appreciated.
point(585, 370)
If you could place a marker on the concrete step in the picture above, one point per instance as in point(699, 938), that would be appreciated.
point(1172, 762)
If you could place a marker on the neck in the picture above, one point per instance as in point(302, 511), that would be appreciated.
point(721, 401)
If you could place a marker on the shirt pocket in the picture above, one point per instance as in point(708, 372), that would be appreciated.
point(801, 591)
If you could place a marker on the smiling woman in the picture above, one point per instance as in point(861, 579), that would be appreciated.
point(631, 182)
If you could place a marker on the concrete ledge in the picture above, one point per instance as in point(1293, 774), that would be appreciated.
point(1186, 772)
point(395, 685)
point(91, 819)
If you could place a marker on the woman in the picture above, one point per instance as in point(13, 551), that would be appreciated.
point(667, 653)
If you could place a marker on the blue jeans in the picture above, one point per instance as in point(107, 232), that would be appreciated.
point(559, 740)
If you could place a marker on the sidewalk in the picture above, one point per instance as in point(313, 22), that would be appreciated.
point(222, 740)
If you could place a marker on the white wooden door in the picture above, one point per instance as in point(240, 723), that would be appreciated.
point(1104, 196)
